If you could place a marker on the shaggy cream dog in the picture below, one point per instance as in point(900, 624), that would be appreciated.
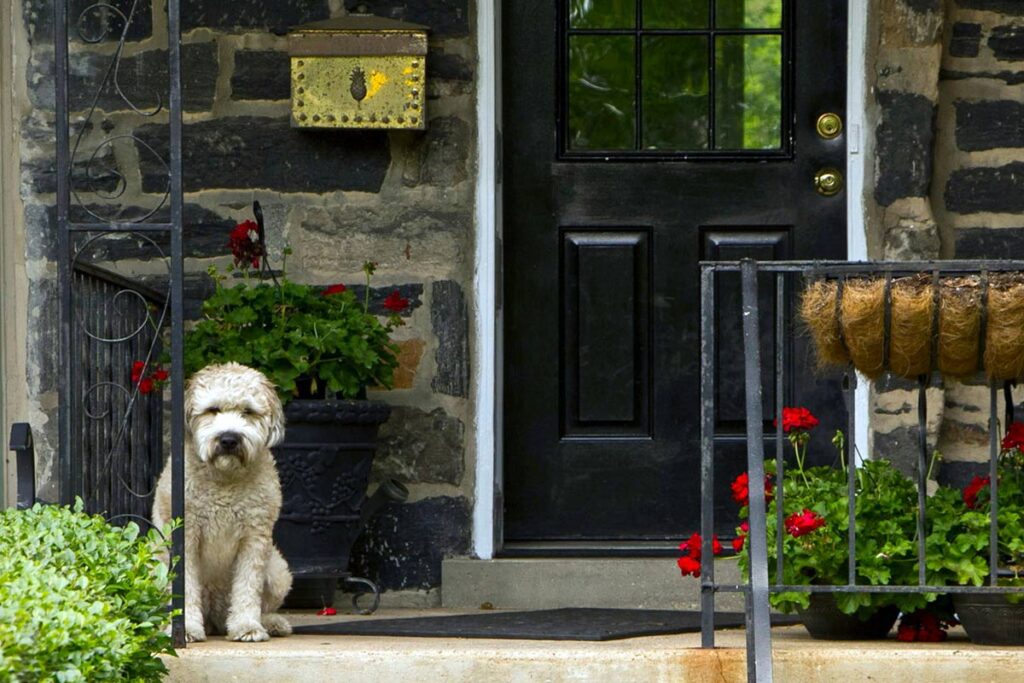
point(234, 576)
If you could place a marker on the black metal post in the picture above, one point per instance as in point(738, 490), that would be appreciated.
point(759, 635)
point(707, 453)
point(25, 463)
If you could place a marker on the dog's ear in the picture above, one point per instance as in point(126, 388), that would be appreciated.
point(275, 413)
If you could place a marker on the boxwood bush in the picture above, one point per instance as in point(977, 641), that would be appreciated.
point(80, 600)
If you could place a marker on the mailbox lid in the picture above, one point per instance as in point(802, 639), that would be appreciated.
point(357, 34)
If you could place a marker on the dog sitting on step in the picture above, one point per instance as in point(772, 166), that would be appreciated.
point(235, 579)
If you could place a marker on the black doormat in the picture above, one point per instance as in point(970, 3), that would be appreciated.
point(572, 623)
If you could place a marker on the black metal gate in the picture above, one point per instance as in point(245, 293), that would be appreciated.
point(757, 587)
point(114, 326)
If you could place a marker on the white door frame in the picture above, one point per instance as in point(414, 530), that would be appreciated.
point(487, 331)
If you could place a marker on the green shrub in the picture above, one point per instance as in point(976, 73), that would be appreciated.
point(80, 600)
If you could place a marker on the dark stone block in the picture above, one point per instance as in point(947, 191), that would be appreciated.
point(448, 67)
point(404, 545)
point(275, 16)
point(250, 152)
point(204, 233)
point(449, 319)
point(197, 288)
point(38, 16)
point(43, 351)
point(413, 292)
point(417, 446)
point(924, 6)
point(1008, 77)
point(445, 18)
point(261, 75)
point(904, 146)
point(143, 79)
point(972, 190)
point(1007, 43)
point(40, 232)
point(1009, 7)
point(989, 125)
point(989, 243)
point(966, 40)
point(441, 158)
point(900, 447)
point(959, 474)
point(98, 175)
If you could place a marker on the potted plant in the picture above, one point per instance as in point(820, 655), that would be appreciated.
point(815, 538)
point(80, 599)
point(958, 546)
point(322, 347)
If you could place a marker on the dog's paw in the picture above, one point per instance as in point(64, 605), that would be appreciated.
point(194, 633)
point(276, 625)
point(248, 632)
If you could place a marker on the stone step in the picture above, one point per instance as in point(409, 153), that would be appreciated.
point(530, 583)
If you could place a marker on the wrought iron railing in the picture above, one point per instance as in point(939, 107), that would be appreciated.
point(110, 436)
point(757, 588)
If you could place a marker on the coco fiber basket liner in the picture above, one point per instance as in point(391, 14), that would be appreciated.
point(897, 327)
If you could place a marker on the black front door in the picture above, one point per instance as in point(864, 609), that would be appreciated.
point(640, 137)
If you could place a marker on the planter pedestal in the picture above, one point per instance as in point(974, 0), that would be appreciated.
point(324, 465)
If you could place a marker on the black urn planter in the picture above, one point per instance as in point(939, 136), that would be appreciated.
point(990, 619)
point(825, 621)
point(324, 465)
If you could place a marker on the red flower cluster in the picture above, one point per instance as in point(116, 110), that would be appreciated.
point(741, 489)
point(973, 489)
point(395, 303)
point(245, 246)
point(1014, 437)
point(797, 419)
point(334, 289)
point(737, 543)
point(802, 523)
point(327, 612)
point(689, 564)
point(922, 626)
point(147, 384)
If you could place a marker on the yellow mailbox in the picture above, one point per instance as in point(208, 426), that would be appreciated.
point(359, 71)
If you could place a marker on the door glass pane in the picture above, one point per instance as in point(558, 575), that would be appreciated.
point(602, 92)
point(748, 13)
point(602, 13)
point(675, 92)
point(748, 92)
point(675, 13)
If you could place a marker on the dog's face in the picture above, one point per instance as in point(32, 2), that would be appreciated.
point(233, 416)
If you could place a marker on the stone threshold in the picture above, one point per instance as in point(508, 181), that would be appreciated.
point(677, 658)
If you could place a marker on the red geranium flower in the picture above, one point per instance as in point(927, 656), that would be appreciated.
point(737, 543)
point(690, 563)
point(921, 626)
point(137, 368)
point(802, 523)
point(327, 612)
point(1014, 437)
point(973, 489)
point(797, 419)
point(395, 303)
point(334, 289)
point(146, 386)
point(741, 489)
point(161, 375)
point(244, 242)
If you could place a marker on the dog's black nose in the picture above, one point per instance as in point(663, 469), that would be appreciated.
point(229, 441)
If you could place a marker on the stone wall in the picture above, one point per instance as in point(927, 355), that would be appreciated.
point(948, 79)
point(402, 199)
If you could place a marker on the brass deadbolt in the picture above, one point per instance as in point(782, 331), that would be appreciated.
point(829, 125)
point(828, 181)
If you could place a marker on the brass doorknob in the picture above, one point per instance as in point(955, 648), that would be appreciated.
point(829, 125)
point(828, 181)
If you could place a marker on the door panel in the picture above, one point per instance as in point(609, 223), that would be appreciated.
point(641, 136)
